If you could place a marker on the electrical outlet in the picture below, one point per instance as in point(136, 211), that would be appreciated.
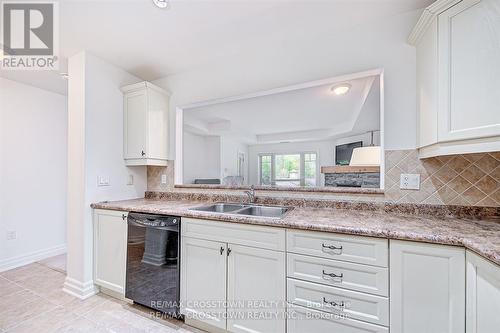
point(11, 235)
point(163, 179)
point(102, 181)
point(409, 181)
point(130, 180)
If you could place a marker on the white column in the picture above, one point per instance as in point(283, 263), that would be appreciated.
point(79, 280)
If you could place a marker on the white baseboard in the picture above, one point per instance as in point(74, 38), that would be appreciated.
point(81, 290)
point(29, 258)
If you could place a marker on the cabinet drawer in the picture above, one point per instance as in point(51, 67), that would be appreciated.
point(358, 249)
point(355, 305)
point(242, 234)
point(302, 320)
point(368, 279)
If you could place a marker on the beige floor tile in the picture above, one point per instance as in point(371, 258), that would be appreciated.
point(118, 317)
point(48, 322)
point(17, 299)
point(8, 287)
point(29, 272)
point(20, 312)
point(81, 307)
point(42, 284)
point(166, 322)
point(58, 296)
point(21, 273)
point(82, 325)
point(33, 301)
point(57, 263)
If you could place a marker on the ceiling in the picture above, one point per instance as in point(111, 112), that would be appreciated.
point(299, 115)
point(151, 43)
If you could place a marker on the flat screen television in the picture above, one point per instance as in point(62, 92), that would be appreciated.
point(343, 153)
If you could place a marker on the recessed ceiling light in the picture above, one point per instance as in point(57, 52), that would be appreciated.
point(161, 3)
point(341, 89)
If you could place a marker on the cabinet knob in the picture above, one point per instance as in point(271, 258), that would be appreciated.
point(228, 251)
point(221, 250)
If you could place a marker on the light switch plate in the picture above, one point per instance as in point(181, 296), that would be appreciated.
point(130, 180)
point(409, 181)
point(102, 181)
point(163, 179)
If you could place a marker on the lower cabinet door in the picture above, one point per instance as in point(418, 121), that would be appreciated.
point(302, 320)
point(110, 249)
point(256, 290)
point(203, 281)
point(483, 295)
point(427, 289)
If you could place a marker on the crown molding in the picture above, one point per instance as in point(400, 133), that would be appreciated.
point(425, 20)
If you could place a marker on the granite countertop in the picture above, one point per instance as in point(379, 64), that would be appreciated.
point(481, 236)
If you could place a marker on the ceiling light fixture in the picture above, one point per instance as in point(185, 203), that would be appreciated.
point(161, 3)
point(341, 89)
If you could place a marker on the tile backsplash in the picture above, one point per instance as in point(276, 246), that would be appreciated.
point(154, 177)
point(465, 180)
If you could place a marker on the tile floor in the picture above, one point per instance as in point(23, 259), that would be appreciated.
point(57, 263)
point(32, 300)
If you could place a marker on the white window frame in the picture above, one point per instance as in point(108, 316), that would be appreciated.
point(302, 177)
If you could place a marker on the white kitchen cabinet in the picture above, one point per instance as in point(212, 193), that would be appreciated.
point(145, 124)
point(302, 320)
point(483, 295)
point(355, 305)
point(241, 259)
point(427, 288)
point(110, 249)
point(358, 277)
point(356, 249)
point(458, 77)
point(203, 281)
point(256, 288)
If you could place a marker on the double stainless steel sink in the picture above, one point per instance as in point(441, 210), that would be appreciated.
point(245, 209)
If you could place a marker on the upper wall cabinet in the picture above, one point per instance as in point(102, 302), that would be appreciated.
point(145, 124)
point(458, 77)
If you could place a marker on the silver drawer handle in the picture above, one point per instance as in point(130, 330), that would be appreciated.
point(331, 247)
point(333, 303)
point(333, 275)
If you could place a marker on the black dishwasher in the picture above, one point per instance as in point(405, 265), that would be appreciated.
point(153, 261)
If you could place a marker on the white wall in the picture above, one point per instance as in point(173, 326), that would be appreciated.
point(375, 45)
point(33, 129)
point(230, 147)
point(366, 138)
point(95, 148)
point(201, 157)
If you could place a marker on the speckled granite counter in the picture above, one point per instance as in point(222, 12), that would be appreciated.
point(481, 236)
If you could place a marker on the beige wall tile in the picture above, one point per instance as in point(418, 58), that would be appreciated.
point(470, 179)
